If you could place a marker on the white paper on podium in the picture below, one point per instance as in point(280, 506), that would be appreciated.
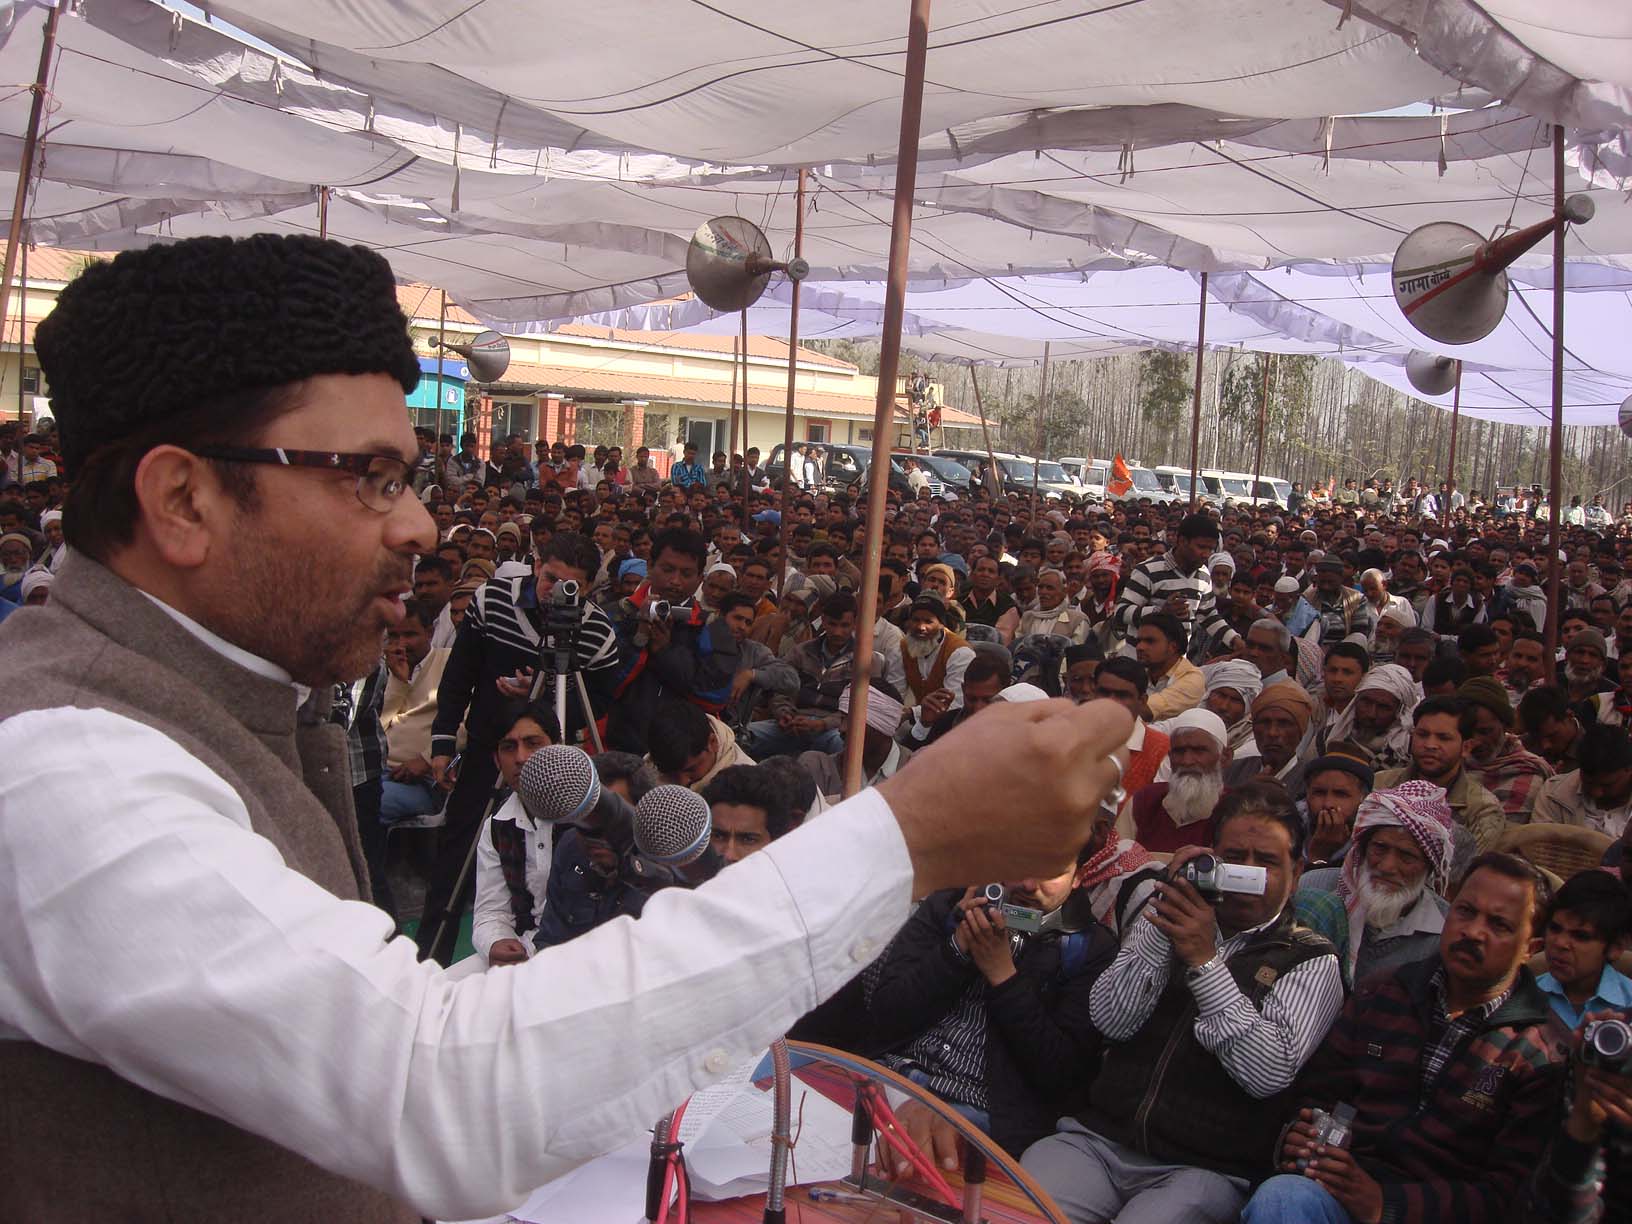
point(733, 1157)
point(608, 1190)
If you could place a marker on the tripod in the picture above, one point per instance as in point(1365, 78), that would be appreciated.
point(558, 645)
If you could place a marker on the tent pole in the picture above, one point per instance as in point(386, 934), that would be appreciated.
point(736, 363)
point(1195, 399)
point(323, 212)
point(1555, 439)
point(906, 181)
point(742, 439)
point(793, 371)
point(1042, 431)
point(1450, 462)
point(25, 171)
point(22, 329)
point(1263, 415)
point(441, 354)
point(986, 433)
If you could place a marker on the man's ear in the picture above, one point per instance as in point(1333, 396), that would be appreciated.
point(179, 496)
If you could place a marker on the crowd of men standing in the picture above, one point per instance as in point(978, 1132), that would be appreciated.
point(1353, 697)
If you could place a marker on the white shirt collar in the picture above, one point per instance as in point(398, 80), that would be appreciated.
point(1136, 741)
point(235, 654)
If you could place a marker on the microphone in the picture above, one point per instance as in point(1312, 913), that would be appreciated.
point(559, 783)
point(673, 827)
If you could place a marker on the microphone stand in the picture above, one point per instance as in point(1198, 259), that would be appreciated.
point(781, 1132)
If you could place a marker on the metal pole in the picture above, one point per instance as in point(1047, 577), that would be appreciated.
point(986, 433)
point(1450, 463)
point(1263, 416)
point(736, 364)
point(743, 484)
point(25, 172)
point(906, 181)
point(441, 356)
point(323, 216)
point(22, 330)
point(1555, 440)
point(1042, 431)
point(1195, 400)
point(793, 370)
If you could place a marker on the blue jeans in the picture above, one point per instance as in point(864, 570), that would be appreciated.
point(766, 739)
point(980, 1117)
point(1292, 1198)
point(401, 800)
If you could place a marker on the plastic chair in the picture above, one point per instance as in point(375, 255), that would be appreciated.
point(1560, 849)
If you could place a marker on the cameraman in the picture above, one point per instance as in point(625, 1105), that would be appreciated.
point(683, 654)
point(992, 1020)
point(1209, 1010)
point(1586, 1175)
point(493, 662)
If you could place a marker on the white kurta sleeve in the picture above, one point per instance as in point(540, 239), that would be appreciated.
point(492, 918)
point(144, 926)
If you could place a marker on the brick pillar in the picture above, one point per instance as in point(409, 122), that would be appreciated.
point(549, 417)
point(569, 422)
point(484, 425)
point(634, 427)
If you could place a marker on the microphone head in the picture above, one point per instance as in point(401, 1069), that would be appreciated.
point(559, 783)
point(672, 825)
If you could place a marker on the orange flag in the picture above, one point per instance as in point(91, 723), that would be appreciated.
point(1121, 479)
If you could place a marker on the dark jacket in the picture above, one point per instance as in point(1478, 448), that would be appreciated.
point(697, 665)
point(1165, 1095)
point(1041, 1048)
point(822, 681)
point(578, 898)
point(1467, 1152)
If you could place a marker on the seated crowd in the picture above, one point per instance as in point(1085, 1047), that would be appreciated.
point(1348, 700)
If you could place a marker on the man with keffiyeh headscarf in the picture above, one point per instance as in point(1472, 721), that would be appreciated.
point(1384, 908)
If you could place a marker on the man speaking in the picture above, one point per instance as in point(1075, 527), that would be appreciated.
point(200, 1019)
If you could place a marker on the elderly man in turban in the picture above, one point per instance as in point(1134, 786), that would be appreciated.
point(1232, 685)
point(1221, 567)
point(1379, 717)
point(1280, 720)
point(1384, 908)
point(1179, 812)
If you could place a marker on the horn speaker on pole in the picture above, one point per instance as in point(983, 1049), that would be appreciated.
point(1430, 373)
point(1451, 283)
point(729, 263)
point(488, 355)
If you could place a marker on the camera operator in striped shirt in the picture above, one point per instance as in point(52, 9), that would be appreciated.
point(1176, 583)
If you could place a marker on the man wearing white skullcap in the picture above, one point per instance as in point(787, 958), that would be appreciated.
point(881, 756)
point(51, 529)
point(1222, 568)
point(1179, 812)
point(1294, 611)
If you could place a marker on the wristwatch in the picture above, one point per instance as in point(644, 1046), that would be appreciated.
point(1194, 973)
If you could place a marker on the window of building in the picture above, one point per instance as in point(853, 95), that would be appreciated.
point(514, 417)
point(815, 432)
point(600, 425)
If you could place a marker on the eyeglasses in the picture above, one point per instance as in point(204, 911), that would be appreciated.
point(381, 479)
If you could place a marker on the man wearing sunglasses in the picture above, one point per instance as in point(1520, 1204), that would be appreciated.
point(198, 1018)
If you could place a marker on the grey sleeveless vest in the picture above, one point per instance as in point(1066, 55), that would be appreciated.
point(77, 1143)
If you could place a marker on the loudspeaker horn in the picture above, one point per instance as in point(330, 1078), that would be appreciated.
point(1430, 373)
point(488, 355)
point(729, 263)
point(1626, 416)
point(1452, 284)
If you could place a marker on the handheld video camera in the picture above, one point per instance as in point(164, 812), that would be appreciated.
point(1607, 1045)
point(662, 610)
point(1015, 917)
point(1213, 878)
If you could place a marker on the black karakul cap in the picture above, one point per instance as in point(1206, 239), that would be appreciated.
point(133, 340)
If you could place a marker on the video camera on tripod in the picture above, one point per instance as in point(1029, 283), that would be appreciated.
point(558, 655)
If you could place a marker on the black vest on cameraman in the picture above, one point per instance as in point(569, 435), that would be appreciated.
point(1164, 1094)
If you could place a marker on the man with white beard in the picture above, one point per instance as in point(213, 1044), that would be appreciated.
point(1384, 907)
point(933, 660)
point(1584, 665)
point(1179, 812)
point(1379, 716)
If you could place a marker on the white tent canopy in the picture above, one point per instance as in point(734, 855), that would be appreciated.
point(1081, 161)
